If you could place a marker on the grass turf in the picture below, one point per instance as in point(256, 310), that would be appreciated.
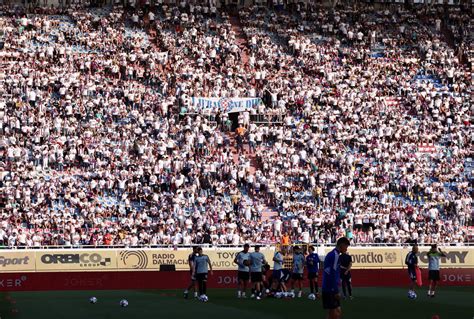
point(376, 303)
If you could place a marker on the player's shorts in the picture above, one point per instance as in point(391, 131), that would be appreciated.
point(243, 275)
point(433, 275)
point(256, 277)
point(276, 274)
point(285, 277)
point(330, 301)
point(412, 274)
point(297, 276)
point(201, 277)
point(312, 275)
point(346, 277)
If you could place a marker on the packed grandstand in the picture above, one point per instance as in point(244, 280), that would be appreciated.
point(159, 124)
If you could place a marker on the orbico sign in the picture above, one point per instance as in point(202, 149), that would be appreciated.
point(84, 259)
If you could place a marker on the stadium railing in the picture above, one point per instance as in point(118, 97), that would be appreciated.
point(288, 248)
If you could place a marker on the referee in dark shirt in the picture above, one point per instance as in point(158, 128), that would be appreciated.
point(411, 260)
point(346, 265)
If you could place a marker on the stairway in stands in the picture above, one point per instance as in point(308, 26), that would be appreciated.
point(268, 212)
point(240, 38)
point(241, 41)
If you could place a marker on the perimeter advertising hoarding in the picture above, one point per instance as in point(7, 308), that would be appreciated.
point(100, 280)
point(70, 260)
point(394, 257)
point(368, 258)
point(456, 257)
point(151, 259)
point(17, 261)
point(76, 260)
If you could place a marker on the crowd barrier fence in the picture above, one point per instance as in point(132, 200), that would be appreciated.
point(156, 259)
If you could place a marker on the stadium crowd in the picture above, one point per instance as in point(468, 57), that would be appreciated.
point(366, 130)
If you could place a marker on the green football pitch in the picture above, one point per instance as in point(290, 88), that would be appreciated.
point(369, 303)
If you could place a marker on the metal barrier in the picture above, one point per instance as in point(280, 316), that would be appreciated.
point(289, 248)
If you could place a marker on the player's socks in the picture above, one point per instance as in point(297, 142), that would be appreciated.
point(300, 293)
point(311, 287)
point(201, 288)
point(239, 294)
point(244, 295)
point(195, 294)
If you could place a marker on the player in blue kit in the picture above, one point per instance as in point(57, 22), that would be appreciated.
point(331, 278)
point(278, 259)
point(312, 263)
point(257, 261)
point(298, 270)
point(434, 256)
point(202, 266)
point(243, 272)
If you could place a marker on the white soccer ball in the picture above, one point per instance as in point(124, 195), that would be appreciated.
point(204, 298)
point(267, 291)
point(93, 300)
point(312, 297)
point(412, 295)
point(123, 303)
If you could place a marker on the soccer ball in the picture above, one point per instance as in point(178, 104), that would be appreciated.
point(204, 298)
point(412, 295)
point(123, 303)
point(93, 300)
point(312, 297)
point(267, 291)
